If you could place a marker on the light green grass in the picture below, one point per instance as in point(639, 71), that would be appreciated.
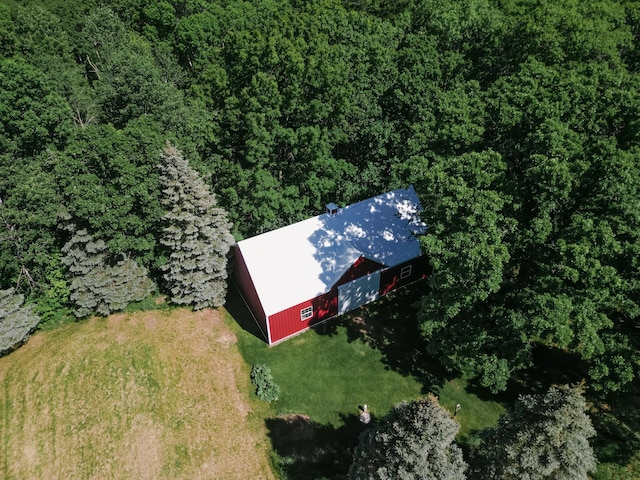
point(475, 413)
point(328, 377)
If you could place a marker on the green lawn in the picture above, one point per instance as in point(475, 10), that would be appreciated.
point(375, 356)
point(474, 414)
point(372, 356)
point(328, 377)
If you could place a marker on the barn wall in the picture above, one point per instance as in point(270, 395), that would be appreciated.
point(358, 292)
point(361, 267)
point(287, 322)
point(248, 291)
point(390, 278)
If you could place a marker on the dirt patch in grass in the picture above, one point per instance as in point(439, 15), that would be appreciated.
point(149, 395)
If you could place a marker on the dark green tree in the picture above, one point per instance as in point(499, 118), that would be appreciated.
point(32, 115)
point(551, 258)
point(16, 321)
point(109, 182)
point(29, 206)
point(468, 249)
point(196, 234)
point(543, 437)
point(100, 282)
point(416, 440)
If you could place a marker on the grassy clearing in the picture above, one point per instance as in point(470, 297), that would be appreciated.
point(475, 413)
point(373, 356)
point(617, 444)
point(148, 395)
point(327, 377)
point(327, 372)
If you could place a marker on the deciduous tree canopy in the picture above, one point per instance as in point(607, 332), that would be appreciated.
point(516, 121)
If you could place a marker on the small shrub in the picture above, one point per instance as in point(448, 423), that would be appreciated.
point(281, 464)
point(266, 389)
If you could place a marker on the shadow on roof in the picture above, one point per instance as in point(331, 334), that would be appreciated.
point(382, 229)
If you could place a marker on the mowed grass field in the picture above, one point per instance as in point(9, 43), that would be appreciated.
point(149, 395)
point(373, 356)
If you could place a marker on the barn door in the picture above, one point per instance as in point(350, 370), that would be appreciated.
point(358, 292)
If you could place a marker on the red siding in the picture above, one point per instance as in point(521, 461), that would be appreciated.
point(286, 323)
point(248, 291)
point(363, 266)
point(390, 278)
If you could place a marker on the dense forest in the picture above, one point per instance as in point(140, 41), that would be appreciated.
point(516, 121)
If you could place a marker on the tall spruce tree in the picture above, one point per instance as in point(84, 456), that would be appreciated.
point(196, 233)
point(543, 437)
point(16, 321)
point(98, 282)
point(416, 440)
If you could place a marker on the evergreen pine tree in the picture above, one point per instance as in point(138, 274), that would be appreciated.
point(98, 283)
point(414, 441)
point(16, 322)
point(543, 437)
point(196, 233)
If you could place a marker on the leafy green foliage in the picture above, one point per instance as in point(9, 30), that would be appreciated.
point(28, 217)
point(266, 389)
point(108, 180)
point(32, 114)
point(468, 251)
point(415, 440)
point(53, 303)
point(543, 437)
point(516, 121)
point(16, 321)
point(196, 234)
point(562, 225)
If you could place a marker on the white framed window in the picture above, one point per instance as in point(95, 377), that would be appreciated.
point(405, 272)
point(306, 313)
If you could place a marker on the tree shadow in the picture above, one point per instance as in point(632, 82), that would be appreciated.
point(382, 229)
point(390, 325)
point(549, 366)
point(617, 421)
point(308, 450)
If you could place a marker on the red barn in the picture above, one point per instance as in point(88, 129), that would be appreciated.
point(297, 276)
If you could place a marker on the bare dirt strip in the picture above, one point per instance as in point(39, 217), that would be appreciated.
point(151, 395)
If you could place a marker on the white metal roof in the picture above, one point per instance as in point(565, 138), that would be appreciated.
point(301, 261)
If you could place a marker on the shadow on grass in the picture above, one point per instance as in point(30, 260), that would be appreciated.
point(308, 450)
point(390, 325)
point(617, 422)
point(236, 307)
point(550, 366)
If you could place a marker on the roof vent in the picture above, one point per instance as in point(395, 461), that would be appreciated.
point(332, 208)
